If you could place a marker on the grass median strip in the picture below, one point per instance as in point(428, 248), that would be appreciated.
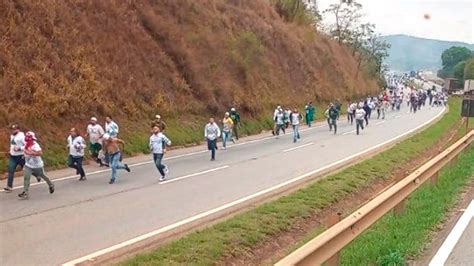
point(237, 236)
point(394, 239)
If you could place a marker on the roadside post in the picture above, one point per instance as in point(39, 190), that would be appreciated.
point(467, 109)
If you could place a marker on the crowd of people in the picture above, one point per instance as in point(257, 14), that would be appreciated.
point(105, 147)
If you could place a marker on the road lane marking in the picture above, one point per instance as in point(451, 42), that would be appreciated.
point(398, 116)
point(239, 201)
point(151, 161)
point(349, 132)
point(381, 122)
point(195, 174)
point(299, 147)
point(450, 242)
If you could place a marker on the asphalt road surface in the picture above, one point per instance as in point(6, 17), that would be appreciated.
point(83, 217)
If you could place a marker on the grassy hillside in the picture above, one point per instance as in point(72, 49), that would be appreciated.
point(413, 53)
point(64, 61)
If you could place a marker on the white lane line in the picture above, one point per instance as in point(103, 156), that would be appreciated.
point(299, 147)
point(381, 122)
point(195, 174)
point(450, 242)
point(398, 116)
point(349, 132)
point(239, 201)
point(165, 159)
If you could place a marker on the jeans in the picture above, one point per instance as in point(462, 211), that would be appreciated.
point(39, 172)
point(157, 158)
point(226, 136)
point(76, 163)
point(278, 128)
point(13, 163)
point(211, 145)
point(116, 164)
point(359, 123)
point(296, 132)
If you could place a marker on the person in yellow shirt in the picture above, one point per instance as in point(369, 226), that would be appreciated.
point(228, 124)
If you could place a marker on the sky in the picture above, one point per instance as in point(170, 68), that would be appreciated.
point(450, 20)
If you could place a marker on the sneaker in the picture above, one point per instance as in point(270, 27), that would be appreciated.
point(82, 178)
point(163, 178)
point(166, 170)
point(127, 168)
point(8, 189)
point(51, 189)
point(23, 195)
point(233, 141)
point(112, 181)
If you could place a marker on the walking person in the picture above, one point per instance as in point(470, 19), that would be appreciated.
point(326, 114)
point(295, 118)
point(211, 133)
point(275, 113)
point(95, 132)
point(76, 146)
point(227, 125)
point(310, 110)
point(367, 110)
point(359, 116)
point(112, 146)
point(16, 155)
point(33, 165)
point(236, 119)
point(158, 143)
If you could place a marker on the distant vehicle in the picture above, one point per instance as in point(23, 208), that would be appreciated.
point(412, 74)
point(468, 85)
point(451, 85)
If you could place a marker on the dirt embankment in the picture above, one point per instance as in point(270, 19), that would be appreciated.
point(63, 61)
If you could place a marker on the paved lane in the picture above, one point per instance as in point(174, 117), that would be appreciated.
point(83, 217)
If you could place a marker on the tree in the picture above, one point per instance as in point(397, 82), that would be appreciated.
point(458, 70)
point(454, 55)
point(346, 15)
point(469, 69)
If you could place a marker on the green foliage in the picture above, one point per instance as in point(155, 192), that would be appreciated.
point(454, 55)
point(238, 235)
point(469, 69)
point(393, 258)
point(458, 70)
point(246, 50)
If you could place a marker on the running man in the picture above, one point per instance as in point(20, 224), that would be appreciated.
point(211, 133)
point(227, 125)
point(16, 155)
point(76, 146)
point(236, 119)
point(111, 127)
point(333, 114)
point(95, 132)
point(280, 122)
point(359, 116)
point(112, 146)
point(295, 118)
point(158, 143)
point(33, 165)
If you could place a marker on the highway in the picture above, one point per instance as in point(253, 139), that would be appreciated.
point(81, 218)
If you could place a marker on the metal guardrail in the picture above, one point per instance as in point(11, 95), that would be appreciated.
point(326, 246)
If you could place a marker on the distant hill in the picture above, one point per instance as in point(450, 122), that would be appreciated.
point(413, 53)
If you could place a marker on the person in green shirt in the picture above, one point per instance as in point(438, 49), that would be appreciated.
point(310, 110)
point(235, 116)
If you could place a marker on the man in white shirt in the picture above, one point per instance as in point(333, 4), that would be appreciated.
point(359, 116)
point(95, 133)
point(76, 146)
point(33, 164)
point(16, 155)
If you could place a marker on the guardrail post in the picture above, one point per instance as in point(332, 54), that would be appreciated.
point(434, 178)
point(334, 260)
point(398, 209)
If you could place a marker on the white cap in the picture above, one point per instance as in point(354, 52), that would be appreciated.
point(278, 107)
point(232, 109)
point(106, 136)
point(227, 113)
point(94, 119)
point(158, 116)
point(31, 134)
